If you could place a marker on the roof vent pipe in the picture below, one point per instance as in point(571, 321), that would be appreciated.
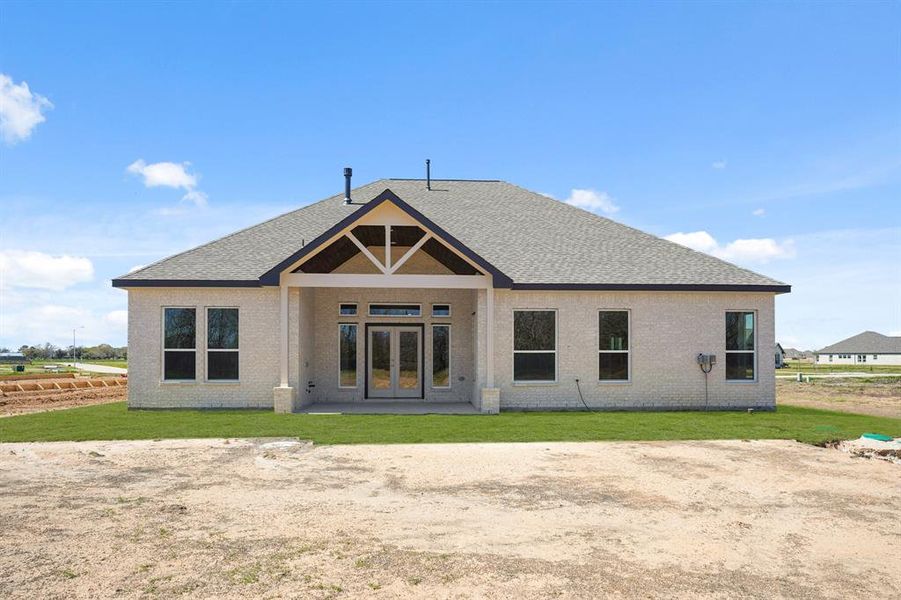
point(428, 174)
point(347, 174)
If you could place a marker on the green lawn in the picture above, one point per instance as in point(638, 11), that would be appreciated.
point(805, 367)
point(114, 422)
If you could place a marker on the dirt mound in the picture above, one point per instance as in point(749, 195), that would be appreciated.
point(28, 396)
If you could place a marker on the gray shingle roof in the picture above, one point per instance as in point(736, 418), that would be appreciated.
point(868, 342)
point(529, 237)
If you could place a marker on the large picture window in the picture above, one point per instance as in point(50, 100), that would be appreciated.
point(347, 353)
point(740, 346)
point(534, 346)
point(613, 345)
point(222, 344)
point(441, 361)
point(179, 344)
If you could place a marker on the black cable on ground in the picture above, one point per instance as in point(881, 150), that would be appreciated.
point(578, 387)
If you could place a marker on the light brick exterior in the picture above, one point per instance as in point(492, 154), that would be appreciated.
point(668, 330)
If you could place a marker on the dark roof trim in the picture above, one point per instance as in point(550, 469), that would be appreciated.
point(653, 287)
point(271, 277)
point(223, 283)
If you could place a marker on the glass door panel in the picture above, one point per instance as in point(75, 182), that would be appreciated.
point(380, 380)
point(409, 354)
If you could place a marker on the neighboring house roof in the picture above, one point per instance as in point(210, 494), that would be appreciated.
point(868, 342)
point(779, 348)
point(528, 240)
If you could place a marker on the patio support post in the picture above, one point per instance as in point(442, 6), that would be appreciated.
point(283, 396)
point(489, 342)
point(490, 402)
point(283, 336)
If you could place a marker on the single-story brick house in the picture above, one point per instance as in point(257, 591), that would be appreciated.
point(867, 348)
point(448, 291)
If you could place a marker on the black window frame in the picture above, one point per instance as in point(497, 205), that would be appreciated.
point(734, 352)
point(627, 351)
point(165, 350)
point(236, 351)
point(555, 351)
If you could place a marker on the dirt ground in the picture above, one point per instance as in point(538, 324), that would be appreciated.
point(238, 518)
point(880, 397)
point(19, 403)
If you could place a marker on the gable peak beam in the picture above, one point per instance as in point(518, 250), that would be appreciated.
point(409, 253)
point(367, 253)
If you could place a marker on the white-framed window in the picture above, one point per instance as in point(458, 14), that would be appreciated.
point(613, 345)
point(347, 309)
point(861, 358)
point(441, 356)
point(741, 335)
point(179, 343)
point(347, 355)
point(395, 310)
point(830, 358)
point(441, 310)
point(875, 356)
point(534, 345)
point(222, 344)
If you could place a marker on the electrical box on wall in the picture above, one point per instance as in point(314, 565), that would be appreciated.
point(706, 361)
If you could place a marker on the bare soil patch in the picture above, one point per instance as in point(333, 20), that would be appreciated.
point(38, 394)
point(257, 518)
point(879, 397)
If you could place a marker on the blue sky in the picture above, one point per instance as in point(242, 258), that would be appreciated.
point(766, 133)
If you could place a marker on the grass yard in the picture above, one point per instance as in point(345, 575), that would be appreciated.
point(795, 366)
point(115, 422)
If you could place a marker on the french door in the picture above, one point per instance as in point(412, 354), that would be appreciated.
point(394, 362)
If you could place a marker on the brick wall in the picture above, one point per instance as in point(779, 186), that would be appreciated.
point(668, 330)
point(258, 312)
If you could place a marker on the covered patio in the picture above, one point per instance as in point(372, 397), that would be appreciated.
point(385, 314)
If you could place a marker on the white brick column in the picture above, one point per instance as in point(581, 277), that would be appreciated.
point(489, 402)
point(284, 395)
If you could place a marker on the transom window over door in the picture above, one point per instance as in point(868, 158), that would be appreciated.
point(222, 344)
point(613, 345)
point(535, 346)
point(179, 344)
point(740, 346)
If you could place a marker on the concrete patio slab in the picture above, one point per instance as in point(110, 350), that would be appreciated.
point(390, 408)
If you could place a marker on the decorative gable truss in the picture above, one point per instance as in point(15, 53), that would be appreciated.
point(383, 245)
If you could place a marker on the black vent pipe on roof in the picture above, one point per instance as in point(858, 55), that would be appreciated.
point(428, 174)
point(347, 174)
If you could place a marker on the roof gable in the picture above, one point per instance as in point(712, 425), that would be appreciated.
point(271, 277)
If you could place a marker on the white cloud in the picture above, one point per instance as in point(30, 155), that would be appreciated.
point(20, 110)
point(170, 174)
point(28, 269)
point(762, 250)
point(593, 201)
point(117, 318)
point(759, 212)
point(166, 174)
point(719, 165)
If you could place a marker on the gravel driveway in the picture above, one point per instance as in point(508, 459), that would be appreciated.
point(257, 518)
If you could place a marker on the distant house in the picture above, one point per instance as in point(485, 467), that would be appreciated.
point(868, 347)
point(795, 354)
point(780, 356)
point(12, 357)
